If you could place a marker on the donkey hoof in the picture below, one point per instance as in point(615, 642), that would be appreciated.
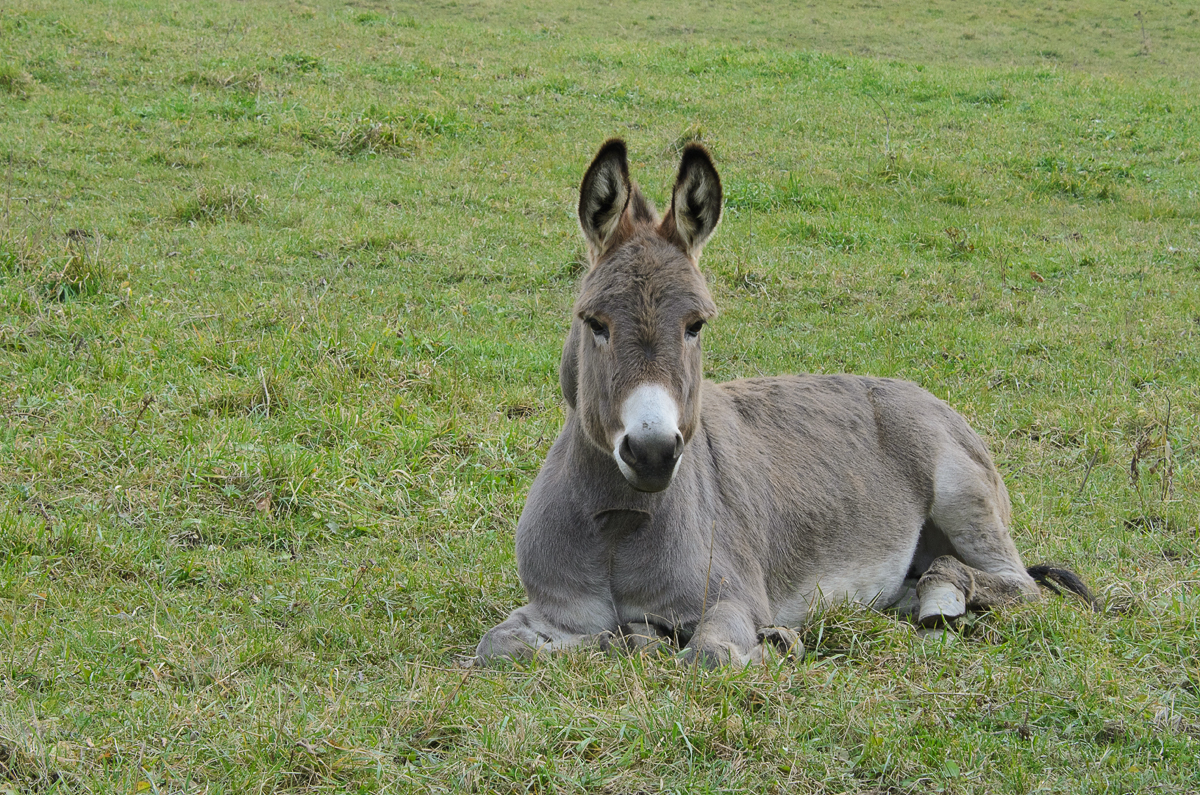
point(784, 641)
point(710, 656)
point(634, 638)
point(941, 604)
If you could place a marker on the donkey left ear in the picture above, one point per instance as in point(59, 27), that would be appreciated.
point(695, 202)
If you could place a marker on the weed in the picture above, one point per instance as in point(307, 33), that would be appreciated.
point(992, 95)
point(22, 246)
point(62, 267)
point(374, 137)
point(79, 271)
point(211, 204)
point(177, 159)
point(247, 82)
point(15, 81)
point(18, 766)
point(960, 243)
point(303, 63)
point(263, 397)
point(399, 133)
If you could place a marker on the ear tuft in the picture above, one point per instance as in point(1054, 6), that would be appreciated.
point(695, 202)
point(603, 195)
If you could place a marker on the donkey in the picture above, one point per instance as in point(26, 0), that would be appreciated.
point(717, 516)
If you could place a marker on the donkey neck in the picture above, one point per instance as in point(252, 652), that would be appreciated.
point(603, 490)
point(616, 508)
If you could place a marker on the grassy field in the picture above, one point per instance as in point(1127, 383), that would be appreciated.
point(282, 294)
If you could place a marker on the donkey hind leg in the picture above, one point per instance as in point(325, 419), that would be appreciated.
point(950, 587)
point(977, 565)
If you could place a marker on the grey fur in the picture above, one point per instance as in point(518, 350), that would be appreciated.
point(790, 491)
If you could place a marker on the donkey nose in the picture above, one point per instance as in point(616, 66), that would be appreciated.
point(650, 447)
point(652, 457)
point(642, 452)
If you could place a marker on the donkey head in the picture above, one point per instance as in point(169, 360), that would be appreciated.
point(632, 366)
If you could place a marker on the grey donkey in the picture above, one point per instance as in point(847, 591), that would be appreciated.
point(717, 516)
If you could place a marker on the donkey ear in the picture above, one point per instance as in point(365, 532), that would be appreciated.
point(603, 195)
point(695, 202)
point(568, 369)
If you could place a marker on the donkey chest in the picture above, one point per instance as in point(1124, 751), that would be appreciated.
point(648, 581)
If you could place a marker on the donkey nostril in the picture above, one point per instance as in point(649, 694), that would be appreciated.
point(626, 452)
point(678, 445)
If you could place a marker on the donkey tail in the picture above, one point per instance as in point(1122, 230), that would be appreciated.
point(1058, 580)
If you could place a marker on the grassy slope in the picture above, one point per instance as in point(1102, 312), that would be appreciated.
point(270, 414)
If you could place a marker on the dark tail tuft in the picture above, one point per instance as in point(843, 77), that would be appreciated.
point(1057, 580)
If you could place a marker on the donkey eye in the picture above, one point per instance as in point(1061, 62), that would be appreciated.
point(598, 328)
point(694, 330)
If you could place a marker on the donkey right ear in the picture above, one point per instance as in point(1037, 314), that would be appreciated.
point(603, 195)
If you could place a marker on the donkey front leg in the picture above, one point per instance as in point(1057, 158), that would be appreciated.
point(727, 633)
point(527, 633)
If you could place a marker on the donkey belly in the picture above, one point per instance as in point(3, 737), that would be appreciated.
point(861, 557)
point(839, 485)
point(877, 582)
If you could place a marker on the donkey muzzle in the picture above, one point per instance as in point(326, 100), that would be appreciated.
point(649, 450)
point(651, 461)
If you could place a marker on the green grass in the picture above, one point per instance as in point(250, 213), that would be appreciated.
point(282, 293)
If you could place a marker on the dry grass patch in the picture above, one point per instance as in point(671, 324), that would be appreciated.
point(14, 81)
point(213, 204)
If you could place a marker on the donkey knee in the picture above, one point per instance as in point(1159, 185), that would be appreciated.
point(948, 570)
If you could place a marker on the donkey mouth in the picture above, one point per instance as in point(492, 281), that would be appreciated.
point(651, 485)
